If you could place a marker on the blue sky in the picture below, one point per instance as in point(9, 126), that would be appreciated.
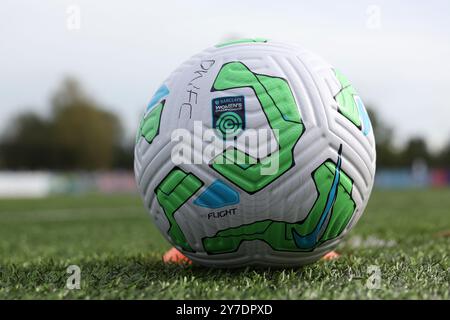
point(124, 49)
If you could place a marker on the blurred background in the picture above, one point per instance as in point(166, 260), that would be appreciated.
point(76, 75)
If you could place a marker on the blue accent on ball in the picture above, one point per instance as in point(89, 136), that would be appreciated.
point(309, 241)
point(217, 195)
point(159, 94)
point(367, 126)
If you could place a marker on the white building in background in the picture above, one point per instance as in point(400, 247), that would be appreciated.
point(24, 184)
point(39, 184)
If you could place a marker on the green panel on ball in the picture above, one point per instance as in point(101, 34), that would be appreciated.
point(283, 116)
point(177, 188)
point(149, 127)
point(238, 41)
point(347, 104)
point(329, 216)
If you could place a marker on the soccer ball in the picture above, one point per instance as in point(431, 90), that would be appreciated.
point(255, 152)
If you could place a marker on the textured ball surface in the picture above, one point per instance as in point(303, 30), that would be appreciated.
point(255, 153)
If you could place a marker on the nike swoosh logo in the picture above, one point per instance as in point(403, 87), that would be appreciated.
point(310, 240)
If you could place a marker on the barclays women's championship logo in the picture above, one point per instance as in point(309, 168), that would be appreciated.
point(229, 115)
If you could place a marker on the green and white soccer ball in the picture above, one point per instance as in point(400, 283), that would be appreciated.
point(255, 152)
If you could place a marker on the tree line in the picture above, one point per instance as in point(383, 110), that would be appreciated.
point(80, 134)
point(415, 149)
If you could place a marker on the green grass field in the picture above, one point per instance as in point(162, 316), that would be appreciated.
point(111, 238)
